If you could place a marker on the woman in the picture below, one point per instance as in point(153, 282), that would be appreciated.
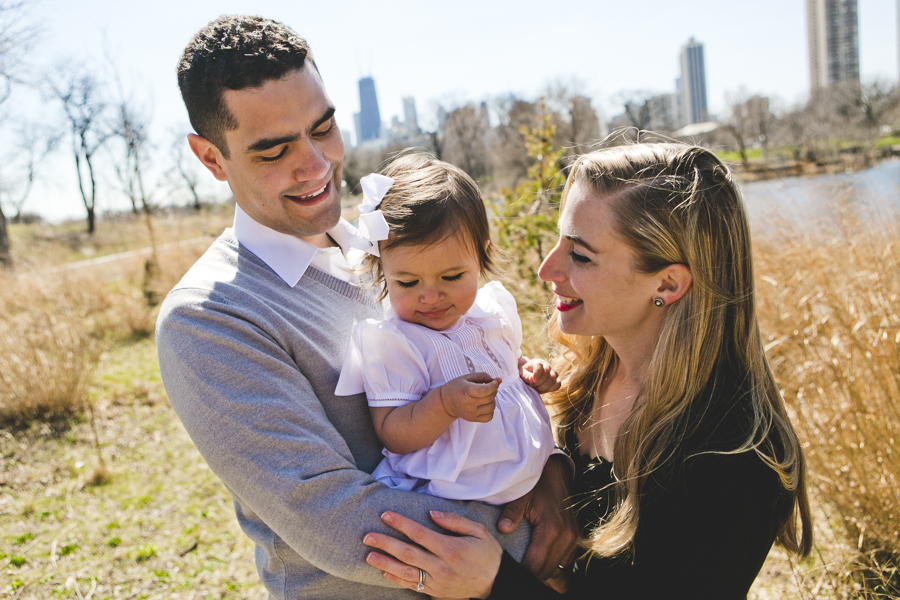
point(687, 467)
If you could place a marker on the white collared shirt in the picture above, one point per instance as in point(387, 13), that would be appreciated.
point(289, 256)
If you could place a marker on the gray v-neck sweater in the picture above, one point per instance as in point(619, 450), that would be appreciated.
point(250, 366)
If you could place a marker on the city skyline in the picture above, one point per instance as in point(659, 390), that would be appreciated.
point(833, 37)
point(416, 50)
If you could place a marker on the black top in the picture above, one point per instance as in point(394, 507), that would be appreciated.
point(707, 521)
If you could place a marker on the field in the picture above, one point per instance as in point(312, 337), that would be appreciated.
point(102, 495)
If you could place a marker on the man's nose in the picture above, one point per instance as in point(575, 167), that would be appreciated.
point(310, 162)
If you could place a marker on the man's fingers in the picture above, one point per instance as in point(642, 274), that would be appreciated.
point(512, 515)
point(457, 524)
point(550, 547)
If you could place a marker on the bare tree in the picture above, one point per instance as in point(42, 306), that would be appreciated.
point(577, 123)
point(466, 130)
point(34, 144)
point(511, 158)
point(83, 105)
point(14, 36)
point(184, 167)
point(636, 104)
point(130, 127)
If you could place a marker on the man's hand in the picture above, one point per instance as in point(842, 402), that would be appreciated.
point(470, 397)
point(538, 374)
point(548, 508)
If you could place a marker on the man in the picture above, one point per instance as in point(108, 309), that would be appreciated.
point(252, 339)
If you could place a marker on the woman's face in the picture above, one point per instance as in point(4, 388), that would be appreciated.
point(597, 291)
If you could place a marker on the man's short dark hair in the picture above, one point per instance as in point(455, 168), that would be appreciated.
point(234, 52)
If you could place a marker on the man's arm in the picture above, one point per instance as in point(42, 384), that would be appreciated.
point(256, 420)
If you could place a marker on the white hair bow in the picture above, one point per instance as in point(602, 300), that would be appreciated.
point(372, 225)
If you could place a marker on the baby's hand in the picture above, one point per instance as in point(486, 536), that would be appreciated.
point(538, 373)
point(470, 397)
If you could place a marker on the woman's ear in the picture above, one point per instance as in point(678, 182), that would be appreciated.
point(208, 154)
point(676, 280)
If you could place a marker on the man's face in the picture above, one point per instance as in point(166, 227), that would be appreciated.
point(285, 155)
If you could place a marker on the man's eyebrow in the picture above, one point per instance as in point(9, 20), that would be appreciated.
point(325, 116)
point(580, 241)
point(267, 143)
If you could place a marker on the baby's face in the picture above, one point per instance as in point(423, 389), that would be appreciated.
point(431, 285)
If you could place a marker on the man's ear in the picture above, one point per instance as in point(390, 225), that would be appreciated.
point(675, 281)
point(208, 154)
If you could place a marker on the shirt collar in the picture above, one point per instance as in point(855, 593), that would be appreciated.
point(287, 255)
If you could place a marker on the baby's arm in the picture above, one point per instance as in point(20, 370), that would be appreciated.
point(538, 374)
point(415, 425)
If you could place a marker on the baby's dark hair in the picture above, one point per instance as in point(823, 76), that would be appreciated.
point(429, 201)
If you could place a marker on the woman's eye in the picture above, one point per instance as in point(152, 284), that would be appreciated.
point(579, 258)
point(456, 277)
point(274, 158)
point(407, 284)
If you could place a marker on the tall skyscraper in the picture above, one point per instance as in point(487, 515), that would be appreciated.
point(833, 36)
point(692, 84)
point(368, 125)
point(410, 119)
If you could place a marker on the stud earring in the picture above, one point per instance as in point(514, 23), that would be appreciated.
point(659, 302)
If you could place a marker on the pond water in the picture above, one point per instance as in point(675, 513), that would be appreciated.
point(871, 195)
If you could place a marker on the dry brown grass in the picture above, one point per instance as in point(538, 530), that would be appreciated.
point(829, 293)
point(48, 350)
point(36, 247)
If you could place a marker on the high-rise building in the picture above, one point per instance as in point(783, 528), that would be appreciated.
point(410, 118)
point(833, 36)
point(368, 125)
point(692, 85)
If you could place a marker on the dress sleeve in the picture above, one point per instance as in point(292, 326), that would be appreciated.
point(392, 370)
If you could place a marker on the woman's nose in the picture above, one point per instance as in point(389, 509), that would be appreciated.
point(549, 269)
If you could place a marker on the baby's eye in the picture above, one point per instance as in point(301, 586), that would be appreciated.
point(456, 277)
point(407, 284)
point(579, 258)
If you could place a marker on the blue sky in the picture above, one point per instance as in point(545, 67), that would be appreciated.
point(452, 52)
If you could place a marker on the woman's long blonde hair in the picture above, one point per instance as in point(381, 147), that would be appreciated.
point(678, 204)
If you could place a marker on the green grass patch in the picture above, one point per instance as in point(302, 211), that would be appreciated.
point(145, 553)
point(887, 141)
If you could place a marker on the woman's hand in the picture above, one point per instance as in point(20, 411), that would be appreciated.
point(455, 567)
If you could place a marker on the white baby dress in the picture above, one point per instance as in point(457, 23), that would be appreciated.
point(396, 362)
